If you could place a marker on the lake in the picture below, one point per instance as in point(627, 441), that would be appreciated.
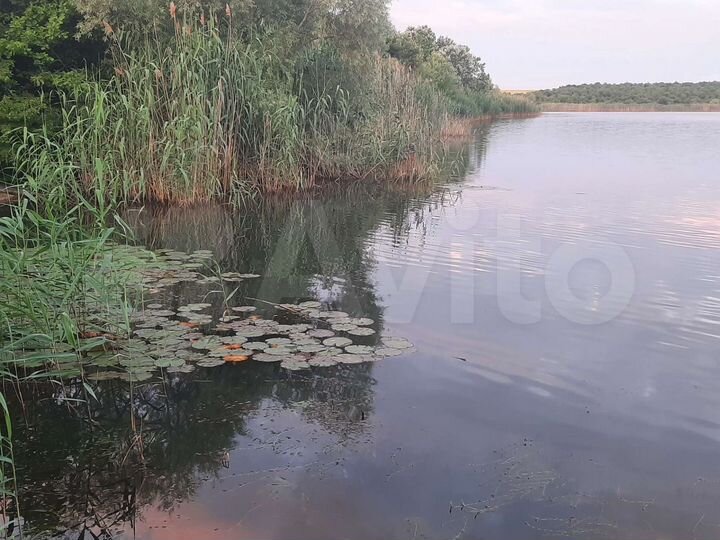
point(562, 294)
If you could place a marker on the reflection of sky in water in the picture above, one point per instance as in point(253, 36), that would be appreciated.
point(645, 186)
point(524, 423)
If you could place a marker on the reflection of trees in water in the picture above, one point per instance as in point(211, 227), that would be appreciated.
point(86, 465)
point(311, 244)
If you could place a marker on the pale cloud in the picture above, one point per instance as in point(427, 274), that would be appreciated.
point(546, 43)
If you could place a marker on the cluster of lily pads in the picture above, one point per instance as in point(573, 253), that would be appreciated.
point(180, 339)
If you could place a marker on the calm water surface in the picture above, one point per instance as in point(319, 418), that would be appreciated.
point(563, 294)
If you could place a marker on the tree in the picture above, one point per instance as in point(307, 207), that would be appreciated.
point(38, 54)
point(470, 68)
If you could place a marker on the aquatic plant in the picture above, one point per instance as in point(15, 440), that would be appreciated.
point(208, 115)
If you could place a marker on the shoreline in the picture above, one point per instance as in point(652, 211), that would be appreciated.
point(621, 107)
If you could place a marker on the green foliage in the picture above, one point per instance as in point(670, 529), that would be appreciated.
point(631, 93)
point(38, 54)
point(454, 72)
point(418, 45)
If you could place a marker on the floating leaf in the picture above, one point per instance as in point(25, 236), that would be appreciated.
point(337, 342)
point(279, 341)
point(361, 331)
point(295, 363)
point(262, 357)
point(249, 331)
point(352, 358)
point(311, 348)
point(244, 309)
point(320, 333)
point(344, 327)
point(255, 346)
point(323, 361)
point(359, 349)
point(302, 341)
point(397, 343)
point(362, 321)
point(233, 340)
point(211, 362)
point(310, 305)
point(388, 351)
point(280, 351)
point(161, 313)
point(180, 369)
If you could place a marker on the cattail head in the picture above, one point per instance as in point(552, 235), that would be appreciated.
point(228, 11)
point(173, 10)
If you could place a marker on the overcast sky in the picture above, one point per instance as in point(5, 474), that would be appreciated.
point(532, 44)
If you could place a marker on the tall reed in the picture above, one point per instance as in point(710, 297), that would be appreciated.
point(207, 115)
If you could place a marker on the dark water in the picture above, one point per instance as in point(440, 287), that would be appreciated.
point(563, 294)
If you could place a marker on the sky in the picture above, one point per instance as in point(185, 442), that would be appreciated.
point(535, 44)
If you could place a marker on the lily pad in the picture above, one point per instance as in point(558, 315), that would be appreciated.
point(344, 327)
point(316, 348)
point(180, 369)
point(310, 305)
point(244, 309)
point(295, 363)
point(303, 341)
point(337, 342)
point(323, 361)
point(388, 351)
point(263, 357)
point(255, 346)
point(321, 333)
point(160, 313)
point(330, 351)
point(249, 331)
point(211, 362)
point(359, 349)
point(352, 358)
point(233, 340)
point(279, 341)
point(207, 343)
point(397, 343)
point(279, 351)
point(361, 331)
point(362, 321)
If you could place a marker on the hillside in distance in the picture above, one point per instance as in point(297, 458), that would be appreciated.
point(671, 96)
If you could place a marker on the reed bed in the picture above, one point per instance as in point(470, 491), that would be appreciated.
point(207, 115)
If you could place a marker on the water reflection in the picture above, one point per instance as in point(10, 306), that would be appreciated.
point(496, 427)
point(152, 446)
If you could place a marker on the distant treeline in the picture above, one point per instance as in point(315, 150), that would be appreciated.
point(663, 94)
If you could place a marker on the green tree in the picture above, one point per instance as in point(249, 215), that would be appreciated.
point(38, 54)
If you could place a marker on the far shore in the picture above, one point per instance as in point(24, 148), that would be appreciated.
point(623, 107)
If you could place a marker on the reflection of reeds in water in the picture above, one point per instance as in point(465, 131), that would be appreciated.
point(206, 226)
point(190, 426)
